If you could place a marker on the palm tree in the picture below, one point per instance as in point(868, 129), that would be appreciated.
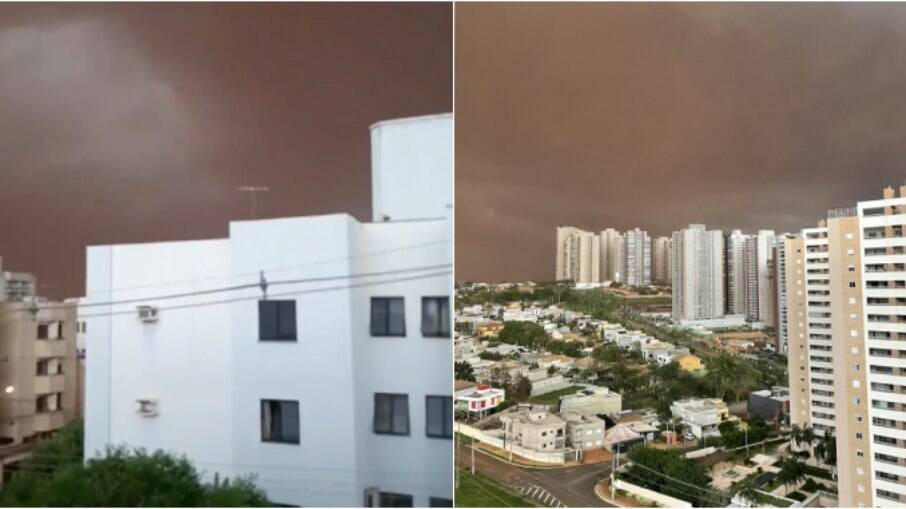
point(746, 491)
point(792, 471)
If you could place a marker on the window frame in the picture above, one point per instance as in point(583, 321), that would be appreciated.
point(387, 332)
point(278, 336)
point(440, 333)
point(447, 417)
point(298, 439)
point(394, 397)
point(400, 496)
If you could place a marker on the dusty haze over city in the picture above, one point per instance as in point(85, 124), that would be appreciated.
point(622, 115)
point(137, 122)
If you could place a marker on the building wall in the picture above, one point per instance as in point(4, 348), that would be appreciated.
point(21, 350)
point(637, 258)
point(851, 404)
point(765, 250)
point(797, 355)
point(410, 154)
point(885, 335)
point(735, 273)
point(818, 323)
point(698, 277)
point(578, 255)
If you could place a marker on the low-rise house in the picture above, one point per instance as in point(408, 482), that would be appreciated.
point(479, 399)
point(772, 405)
point(652, 349)
point(584, 431)
point(585, 362)
point(542, 383)
point(592, 401)
point(558, 361)
point(472, 310)
point(535, 429)
point(701, 416)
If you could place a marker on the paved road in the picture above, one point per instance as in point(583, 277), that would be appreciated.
point(574, 486)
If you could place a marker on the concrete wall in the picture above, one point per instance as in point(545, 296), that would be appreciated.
point(659, 498)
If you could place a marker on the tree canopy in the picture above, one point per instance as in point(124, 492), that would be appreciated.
point(56, 477)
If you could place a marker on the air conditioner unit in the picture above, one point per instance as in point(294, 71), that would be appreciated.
point(147, 314)
point(147, 407)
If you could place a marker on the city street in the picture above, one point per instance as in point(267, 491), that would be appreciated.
point(573, 486)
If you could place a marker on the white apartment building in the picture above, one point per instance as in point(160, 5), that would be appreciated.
point(881, 225)
point(578, 255)
point(16, 286)
point(736, 273)
point(781, 273)
point(765, 241)
point(698, 276)
point(636, 258)
point(334, 389)
point(818, 324)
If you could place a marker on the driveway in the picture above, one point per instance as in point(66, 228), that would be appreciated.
point(573, 486)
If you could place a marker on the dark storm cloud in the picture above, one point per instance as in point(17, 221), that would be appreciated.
point(136, 122)
point(656, 115)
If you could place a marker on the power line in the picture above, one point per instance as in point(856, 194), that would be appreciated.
point(238, 287)
point(273, 270)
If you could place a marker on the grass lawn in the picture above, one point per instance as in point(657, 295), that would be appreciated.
point(481, 491)
point(553, 397)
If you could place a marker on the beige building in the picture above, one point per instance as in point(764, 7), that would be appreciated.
point(535, 429)
point(611, 254)
point(16, 286)
point(40, 378)
point(660, 260)
point(578, 255)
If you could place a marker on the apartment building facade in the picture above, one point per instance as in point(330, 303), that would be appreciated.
point(578, 255)
point(735, 273)
point(326, 374)
point(661, 260)
point(611, 255)
point(636, 258)
point(698, 276)
point(40, 379)
point(16, 286)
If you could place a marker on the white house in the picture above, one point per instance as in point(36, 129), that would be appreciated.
point(335, 390)
point(701, 416)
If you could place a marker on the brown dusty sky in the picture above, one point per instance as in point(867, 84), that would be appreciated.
point(136, 122)
point(657, 115)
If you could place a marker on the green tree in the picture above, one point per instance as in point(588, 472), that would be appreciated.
point(523, 389)
point(792, 471)
point(464, 371)
point(122, 478)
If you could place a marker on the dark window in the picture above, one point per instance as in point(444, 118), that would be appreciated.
point(277, 320)
point(441, 502)
point(395, 500)
point(280, 421)
point(436, 317)
point(43, 330)
point(391, 414)
point(388, 316)
point(439, 410)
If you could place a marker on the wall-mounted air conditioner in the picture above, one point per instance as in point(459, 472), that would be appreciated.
point(147, 407)
point(147, 314)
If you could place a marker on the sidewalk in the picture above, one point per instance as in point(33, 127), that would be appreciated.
point(602, 490)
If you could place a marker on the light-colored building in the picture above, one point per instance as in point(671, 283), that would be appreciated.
point(592, 401)
point(818, 325)
point(611, 255)
point(781, 272)
point(535, 429)
point(698, 276)
point(688, 362)
point(735, 273)
point(584, 431)
point(40, 378)
point(336, 373)
point(701, 416)
point(765, 241)
point(660, 260)
point(480, 399)
point(578, 255)
point(16, 286)
point(636, 258)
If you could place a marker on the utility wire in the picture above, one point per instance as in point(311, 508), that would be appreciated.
point(272, 270)
point(211, 291)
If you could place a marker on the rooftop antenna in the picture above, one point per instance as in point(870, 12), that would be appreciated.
point(253, 191)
